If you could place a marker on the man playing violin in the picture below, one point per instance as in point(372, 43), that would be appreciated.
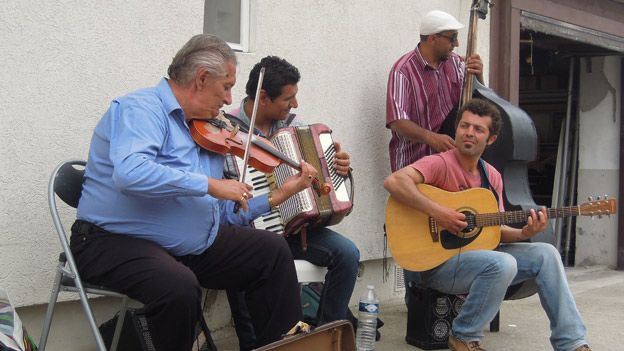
point(424, 86)
point(482, 274)
point(325, 247)
point(156, 220)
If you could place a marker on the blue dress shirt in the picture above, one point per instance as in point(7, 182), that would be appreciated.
point(147, 178)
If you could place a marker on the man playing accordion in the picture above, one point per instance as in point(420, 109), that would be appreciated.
point(324, 246)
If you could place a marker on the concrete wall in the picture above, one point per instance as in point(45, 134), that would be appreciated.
point(598, 170)
point(63, 61)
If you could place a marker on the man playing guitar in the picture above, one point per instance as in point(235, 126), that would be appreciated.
point(483, 274)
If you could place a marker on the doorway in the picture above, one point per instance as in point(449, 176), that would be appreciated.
point(548, 89)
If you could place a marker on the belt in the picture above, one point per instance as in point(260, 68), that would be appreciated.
point(85, 228)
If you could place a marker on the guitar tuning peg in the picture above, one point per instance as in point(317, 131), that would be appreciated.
point(589, 198)
point(606, 196)
point(599, 216)
point(598, 197)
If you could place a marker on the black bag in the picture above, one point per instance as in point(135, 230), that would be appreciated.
point(310, 303)
point(135, 335)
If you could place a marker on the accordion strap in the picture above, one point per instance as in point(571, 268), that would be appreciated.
point(304, 238)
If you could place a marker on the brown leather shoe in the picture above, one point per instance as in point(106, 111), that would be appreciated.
point(583, 348)
point(458, 345)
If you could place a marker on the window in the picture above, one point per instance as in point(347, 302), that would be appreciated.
point(229, 20)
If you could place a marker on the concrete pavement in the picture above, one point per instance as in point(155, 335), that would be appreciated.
point(599, 294)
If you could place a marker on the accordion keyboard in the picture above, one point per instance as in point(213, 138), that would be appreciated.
point(338, 181)
point(262, 185)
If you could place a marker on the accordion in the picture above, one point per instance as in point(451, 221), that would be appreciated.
point(307, 208)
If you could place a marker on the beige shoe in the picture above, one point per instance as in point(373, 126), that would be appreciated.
point(458, 345)
point(583, 348)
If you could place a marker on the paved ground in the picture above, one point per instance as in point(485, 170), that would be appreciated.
point(599, 294)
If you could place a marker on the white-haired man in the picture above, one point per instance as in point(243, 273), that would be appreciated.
point(156, 219)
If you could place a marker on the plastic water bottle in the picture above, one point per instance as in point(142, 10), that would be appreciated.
point(367, 320)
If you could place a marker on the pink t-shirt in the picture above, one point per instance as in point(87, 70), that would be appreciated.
point(444, 171)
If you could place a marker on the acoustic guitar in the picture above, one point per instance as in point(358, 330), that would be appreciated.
point(418, 243)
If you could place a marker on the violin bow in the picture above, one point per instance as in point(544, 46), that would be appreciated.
point(252, 124)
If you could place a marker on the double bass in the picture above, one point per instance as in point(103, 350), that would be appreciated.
point(517, 142)
point(515, 147)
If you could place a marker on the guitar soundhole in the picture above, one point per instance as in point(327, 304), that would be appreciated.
point(451, 241)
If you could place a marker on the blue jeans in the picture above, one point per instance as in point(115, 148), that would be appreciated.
point(485, 277)
point(325, 248)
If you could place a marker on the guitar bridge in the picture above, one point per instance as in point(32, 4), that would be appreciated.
point(433, 230)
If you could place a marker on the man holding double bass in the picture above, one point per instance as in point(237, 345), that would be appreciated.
point(485, 275)
point(423, 88)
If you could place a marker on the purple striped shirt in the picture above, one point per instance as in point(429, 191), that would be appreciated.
point(423, 95)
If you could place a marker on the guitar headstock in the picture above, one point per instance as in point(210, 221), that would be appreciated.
point(598, 207)
point(481, 7)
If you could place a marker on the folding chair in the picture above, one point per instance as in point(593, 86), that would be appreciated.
point(66, 183)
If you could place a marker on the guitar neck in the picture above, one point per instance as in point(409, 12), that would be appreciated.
point(511, 217)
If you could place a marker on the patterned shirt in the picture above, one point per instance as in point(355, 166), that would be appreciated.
point(423, 95)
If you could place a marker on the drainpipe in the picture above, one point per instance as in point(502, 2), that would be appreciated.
point(563, 174)
point(620, 246)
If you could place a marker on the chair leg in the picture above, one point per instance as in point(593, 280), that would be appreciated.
point(495, 323)
point(209, 341)
point(84, 300)
point(47, 322)
point(120, 322)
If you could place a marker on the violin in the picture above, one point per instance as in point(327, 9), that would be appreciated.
point(220, 136)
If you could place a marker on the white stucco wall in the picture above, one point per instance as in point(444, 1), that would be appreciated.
point(599, 155)
point(64, 61)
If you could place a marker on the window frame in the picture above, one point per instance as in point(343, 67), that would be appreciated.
point(244, 27)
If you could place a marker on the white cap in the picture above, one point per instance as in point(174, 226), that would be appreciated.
point(438, 21)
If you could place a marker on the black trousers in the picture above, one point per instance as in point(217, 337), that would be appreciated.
point(244, 259)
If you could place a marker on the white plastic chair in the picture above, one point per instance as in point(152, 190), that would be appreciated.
point(309, 273)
